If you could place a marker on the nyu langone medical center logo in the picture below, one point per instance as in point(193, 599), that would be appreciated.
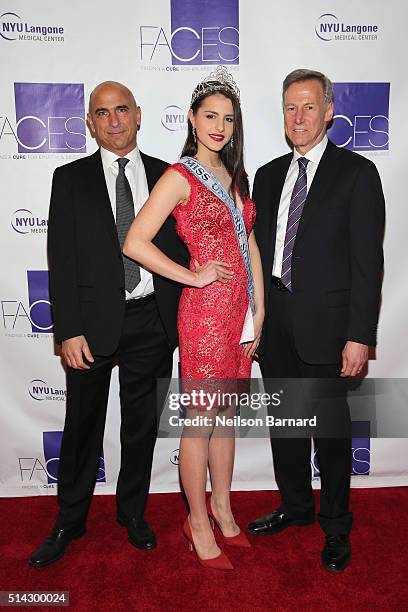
point(50, 117)
point(30, 319)
point(361, 116)
point(173, 118)
point(52, 451)
point(13, 27)
point(40, 390)
point(329, 27)
point(360, 450)
point(174, 457)
point(201, 32)
point(23, 221)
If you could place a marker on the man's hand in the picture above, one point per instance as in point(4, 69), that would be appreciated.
point(355, 356)
point(73, 351)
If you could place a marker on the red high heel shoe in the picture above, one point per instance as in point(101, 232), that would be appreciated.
point(220, 562)
point(238, 540)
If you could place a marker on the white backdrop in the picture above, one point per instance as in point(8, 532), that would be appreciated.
point(65, 49)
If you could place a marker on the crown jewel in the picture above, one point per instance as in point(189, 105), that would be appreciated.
point(219, 80)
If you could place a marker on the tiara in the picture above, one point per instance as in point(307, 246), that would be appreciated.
point(219, 80)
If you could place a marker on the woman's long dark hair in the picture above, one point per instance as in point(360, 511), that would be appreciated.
point(232, 156)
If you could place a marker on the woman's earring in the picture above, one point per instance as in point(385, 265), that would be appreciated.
point(232, 142)
point(194, 135)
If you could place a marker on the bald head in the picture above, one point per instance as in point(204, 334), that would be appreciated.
point(109, 86)
point(114, 117)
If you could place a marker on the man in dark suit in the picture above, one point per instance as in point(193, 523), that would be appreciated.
point(107, 309)
point(320, 223)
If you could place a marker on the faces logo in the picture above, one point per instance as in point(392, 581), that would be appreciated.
point(39, 301)
point(50, 118)
point(38, 315)
point(52, 449)
point(360, 122)
point(202, 32)
point(360, 450)
point(32, 467)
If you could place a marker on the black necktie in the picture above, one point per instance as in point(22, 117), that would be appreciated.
point(125, 213)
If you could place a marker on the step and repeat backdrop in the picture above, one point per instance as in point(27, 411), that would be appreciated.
point(53, 53)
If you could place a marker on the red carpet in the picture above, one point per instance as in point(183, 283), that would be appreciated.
point(279, 573)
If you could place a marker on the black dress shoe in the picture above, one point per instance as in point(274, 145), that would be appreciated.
point(54, 545)
point(139, 532)
point(336, 554)
point(277, 522)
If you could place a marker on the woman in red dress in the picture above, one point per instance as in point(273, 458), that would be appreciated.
point(222, 308)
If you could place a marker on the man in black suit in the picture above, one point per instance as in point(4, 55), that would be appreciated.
point(320, 223)
point(107, 309)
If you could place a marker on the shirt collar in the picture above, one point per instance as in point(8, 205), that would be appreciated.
point(109, 158)
point(315, 154)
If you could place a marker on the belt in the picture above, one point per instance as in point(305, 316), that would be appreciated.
point(276, 282)
point(138, 302)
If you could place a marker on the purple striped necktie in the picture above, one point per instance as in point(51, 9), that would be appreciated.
point(297, 202)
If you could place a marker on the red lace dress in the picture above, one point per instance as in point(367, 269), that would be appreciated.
point(210, 320)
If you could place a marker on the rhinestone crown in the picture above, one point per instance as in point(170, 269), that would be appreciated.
point(219, 80)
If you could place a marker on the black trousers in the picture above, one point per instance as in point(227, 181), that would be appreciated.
point(143, 356)
point(292, 456)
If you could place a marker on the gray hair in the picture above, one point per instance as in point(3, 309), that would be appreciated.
point(302, 74)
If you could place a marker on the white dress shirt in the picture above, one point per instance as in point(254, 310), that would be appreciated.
point(314, 156)
point(136, 175)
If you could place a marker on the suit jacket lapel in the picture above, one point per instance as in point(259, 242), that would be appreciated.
point(152, 175)
point(323, 181)
point(100, 195)
point(267, 197)
point(278, 181)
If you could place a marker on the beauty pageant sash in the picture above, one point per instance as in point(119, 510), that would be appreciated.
point(212, 183)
